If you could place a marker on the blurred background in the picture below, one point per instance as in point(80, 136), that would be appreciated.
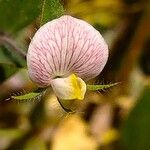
point(114, 119)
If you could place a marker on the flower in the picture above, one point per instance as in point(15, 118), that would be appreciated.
point(63, 53)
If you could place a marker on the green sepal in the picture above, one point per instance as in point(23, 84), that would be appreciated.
point(67, 110)
point(100, 87)
point(27, 96)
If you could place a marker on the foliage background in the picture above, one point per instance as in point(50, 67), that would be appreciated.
point(115, 119)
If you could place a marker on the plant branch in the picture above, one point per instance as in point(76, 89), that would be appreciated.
point(4, 40)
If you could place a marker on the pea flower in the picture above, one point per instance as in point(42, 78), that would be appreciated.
point(63, 54)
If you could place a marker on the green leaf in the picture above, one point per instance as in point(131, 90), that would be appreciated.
point(6, 70)
point(135, 133)
point(10, 133)
point(27, 96)
point(62, 102)
point(100, 87)
point(17, 14)
point(8, 56)
point(51, 9)
point(35, 143)
point(9, 63)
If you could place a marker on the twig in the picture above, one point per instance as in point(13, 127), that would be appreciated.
point(4, 40)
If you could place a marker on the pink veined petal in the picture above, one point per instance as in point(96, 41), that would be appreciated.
point(64, 46)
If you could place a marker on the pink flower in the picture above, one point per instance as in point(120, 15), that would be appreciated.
point(65, 46)
point(62, 53)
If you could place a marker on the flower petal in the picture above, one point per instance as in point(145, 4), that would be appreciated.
point(64, 46)
point(69, 88)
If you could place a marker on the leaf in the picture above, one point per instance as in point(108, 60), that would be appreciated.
point(8, 135)
point(17, 14)
point(9, 63)
point(7, 55)
point(61, 102)
point(30, 96)
point(27, 96)
point(100, 87)
point(35, 143)
point(7, 70)
point(135, 133)
point(51, 9)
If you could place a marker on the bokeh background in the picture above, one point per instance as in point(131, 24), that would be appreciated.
point(114, 119)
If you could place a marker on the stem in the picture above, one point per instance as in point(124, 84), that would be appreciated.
point(4, 40)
